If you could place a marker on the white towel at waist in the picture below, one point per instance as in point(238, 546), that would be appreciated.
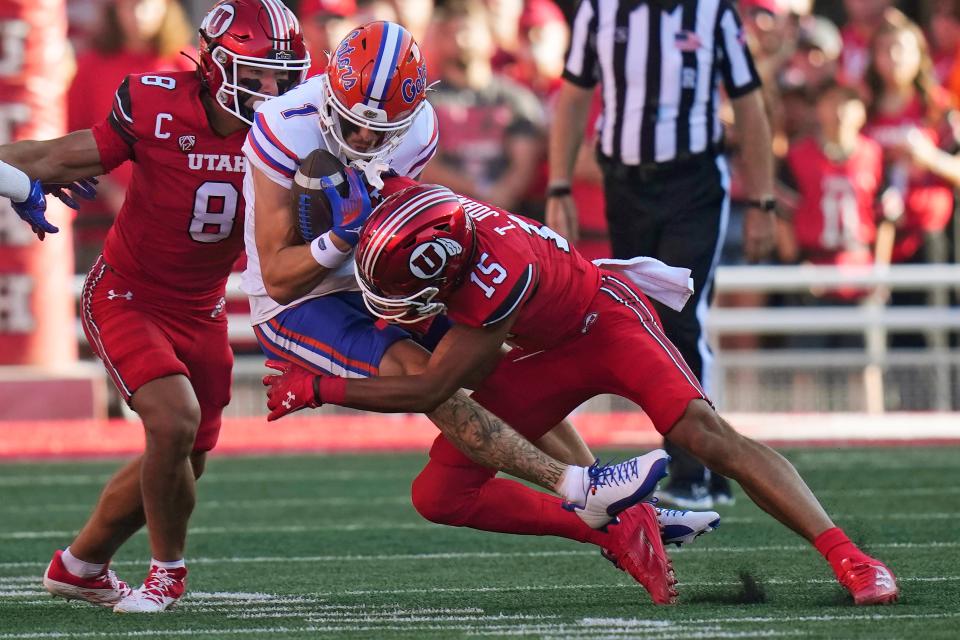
point(672, 286)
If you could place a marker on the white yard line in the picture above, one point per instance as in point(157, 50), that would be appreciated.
point(202, 531)
point(214, 601)
point(404, 499)
point(902, 491)
point(418, 525)
point(689, 629)
point(629, 622)
point(277, 503)
point(316, 616)
point(211, 477)
point(918, 516)
point(461, 555)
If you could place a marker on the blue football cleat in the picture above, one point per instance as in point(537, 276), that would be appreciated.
point(683, 527)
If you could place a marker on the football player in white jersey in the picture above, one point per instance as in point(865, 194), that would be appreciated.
point(369, 109)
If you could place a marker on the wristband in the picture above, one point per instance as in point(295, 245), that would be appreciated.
point(559, 191)
point(764, 204)
point(326, 253)
point(332, 390)
point(14, 183)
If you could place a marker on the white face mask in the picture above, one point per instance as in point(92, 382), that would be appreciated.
point(407, 310)
point(235, 96)
point(338, 122)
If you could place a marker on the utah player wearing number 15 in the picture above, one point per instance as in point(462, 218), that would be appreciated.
point(152, 305)
point(577, 331)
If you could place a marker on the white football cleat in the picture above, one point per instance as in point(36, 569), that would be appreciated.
point(683, 527)
point(104, 590)
point(615, 487)
point(159, 592)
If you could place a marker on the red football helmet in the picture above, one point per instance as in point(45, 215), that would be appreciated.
point(376, 80)
point(260, 34)
point(414, 251)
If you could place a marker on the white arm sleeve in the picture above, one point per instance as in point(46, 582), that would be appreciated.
point(14, 184)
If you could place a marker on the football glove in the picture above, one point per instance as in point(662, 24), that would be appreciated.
point(85, 188)
point(351, 212)
point(294, 388)
point(32, 210)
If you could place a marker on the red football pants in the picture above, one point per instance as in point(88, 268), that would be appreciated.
point(139, 340)
point(622, 350)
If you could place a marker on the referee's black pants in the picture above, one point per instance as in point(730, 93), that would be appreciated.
point(676, 212)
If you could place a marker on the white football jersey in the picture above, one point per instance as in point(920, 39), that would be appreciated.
point(285, 130)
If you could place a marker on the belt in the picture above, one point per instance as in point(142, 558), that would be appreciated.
point(652, 171)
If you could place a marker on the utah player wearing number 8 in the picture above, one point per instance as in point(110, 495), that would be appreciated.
point(577, 331)
point(152, 304)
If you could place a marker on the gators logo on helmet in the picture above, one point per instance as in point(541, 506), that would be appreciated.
point(377, 80)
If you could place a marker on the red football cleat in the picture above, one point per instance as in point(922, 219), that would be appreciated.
point(162, 589)
point(869, 582)
point(636, 548)
point(104, 590)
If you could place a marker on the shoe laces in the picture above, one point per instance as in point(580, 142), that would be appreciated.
point(157, 582)
point(602, 475)
point(663, 511)
point(115, 582)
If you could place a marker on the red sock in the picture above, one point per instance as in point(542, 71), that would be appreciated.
point(464, 496)
point(834, 545)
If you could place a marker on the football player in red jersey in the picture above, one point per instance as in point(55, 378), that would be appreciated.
point(577, 331)
point(306, 308)
point(152, 304)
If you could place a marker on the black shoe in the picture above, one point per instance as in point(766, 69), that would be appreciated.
point(720, 490)
point(693, 496)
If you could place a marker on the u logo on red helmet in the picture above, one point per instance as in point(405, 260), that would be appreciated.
point(429, 258)
point(218, 20)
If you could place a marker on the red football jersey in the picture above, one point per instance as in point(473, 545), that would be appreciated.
point(180, 229)
point(523, 264)
point(835, 220)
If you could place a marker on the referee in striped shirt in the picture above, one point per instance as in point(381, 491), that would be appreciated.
point(660, 65)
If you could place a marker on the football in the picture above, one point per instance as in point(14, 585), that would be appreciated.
point(309, 206)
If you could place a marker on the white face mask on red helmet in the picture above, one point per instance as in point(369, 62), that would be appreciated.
point(414, 251)
point(252, 34)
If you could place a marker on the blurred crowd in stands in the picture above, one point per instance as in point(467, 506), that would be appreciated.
point(860, 94)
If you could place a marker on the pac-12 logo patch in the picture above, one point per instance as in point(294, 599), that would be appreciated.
point(429, 258)
point(186, 142)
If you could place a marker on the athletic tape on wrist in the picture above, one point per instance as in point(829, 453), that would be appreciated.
point(326, 253)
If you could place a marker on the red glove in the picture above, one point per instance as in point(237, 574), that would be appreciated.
point(294, 389)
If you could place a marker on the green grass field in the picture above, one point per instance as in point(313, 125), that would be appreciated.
point(312, 547)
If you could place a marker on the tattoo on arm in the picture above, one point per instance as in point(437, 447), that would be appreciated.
point(489, 441)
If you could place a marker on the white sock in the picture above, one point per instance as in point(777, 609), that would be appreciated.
point(574, 484)
point(174, 564)
point(78, 567)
